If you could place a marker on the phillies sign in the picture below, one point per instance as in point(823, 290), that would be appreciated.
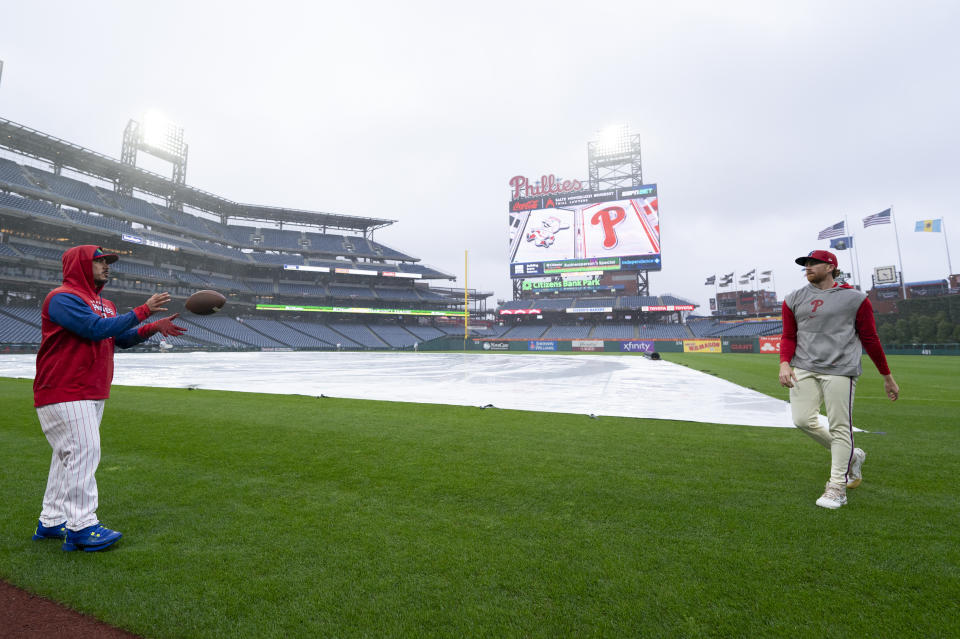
point(548, 185)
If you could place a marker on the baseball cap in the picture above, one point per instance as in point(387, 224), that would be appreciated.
point(110, 257)
point(820, 256)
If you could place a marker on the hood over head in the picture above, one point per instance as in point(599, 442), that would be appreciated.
point(78, 267)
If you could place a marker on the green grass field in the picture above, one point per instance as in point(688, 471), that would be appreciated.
point(248, 515)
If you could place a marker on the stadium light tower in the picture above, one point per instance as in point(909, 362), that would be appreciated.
point(159, 137)
point(613, 158)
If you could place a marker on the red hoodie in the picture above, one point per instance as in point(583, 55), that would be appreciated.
point(75, 360)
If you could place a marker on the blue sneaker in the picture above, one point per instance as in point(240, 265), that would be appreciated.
point(50, 532)
point(91, 539)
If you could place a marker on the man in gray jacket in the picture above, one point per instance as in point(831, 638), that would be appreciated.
point(826, 328)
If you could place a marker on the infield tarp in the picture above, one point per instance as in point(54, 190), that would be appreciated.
point(629, 386)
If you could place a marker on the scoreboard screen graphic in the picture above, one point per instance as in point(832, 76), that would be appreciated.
point(614, 230)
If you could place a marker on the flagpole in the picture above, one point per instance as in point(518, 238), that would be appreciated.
point(943, 227)
point(855, 254)
point(896, 236)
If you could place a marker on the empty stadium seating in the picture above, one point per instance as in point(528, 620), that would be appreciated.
point(567, 332)
point(131, 206)
point(7, 251)
point(101, 221)
point(12, 173)
point(396, 295)
point(284, 334)
point(14, 331)
point(299, 288)
point(525, 332)
point(323, 333)
point(29, 205)
point(395, 336)
point(141, 270)
point(614, 331)
point(663, 331)
point(68, 188)
point(39, 252)
point(552, 304)
point(425, 333)
point(344, 291)
point(234, 330)
point(360, 334)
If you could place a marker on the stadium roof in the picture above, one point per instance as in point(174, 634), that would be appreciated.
point(38, 145)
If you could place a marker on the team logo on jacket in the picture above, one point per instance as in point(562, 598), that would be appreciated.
point(103, 309)
point(816, 304)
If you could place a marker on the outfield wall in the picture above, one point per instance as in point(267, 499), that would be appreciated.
point(763, 344)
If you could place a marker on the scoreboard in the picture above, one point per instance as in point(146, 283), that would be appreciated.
point(613, 230)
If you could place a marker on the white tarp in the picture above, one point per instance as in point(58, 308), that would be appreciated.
point(626, 386)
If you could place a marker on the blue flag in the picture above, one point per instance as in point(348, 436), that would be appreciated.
point(928, 226)
point(842, 243)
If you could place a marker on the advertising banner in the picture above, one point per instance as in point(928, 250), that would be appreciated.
point(770, 344)
point(587, 281)
point(368, 311)
point(496, 346)
point(637, 346)
point(587, 344)
point(542, 345)
point(742, 345)
point(595, 309)
point(669, 307)
point(702, 346)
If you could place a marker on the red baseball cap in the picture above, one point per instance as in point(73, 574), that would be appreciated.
point(819, 256)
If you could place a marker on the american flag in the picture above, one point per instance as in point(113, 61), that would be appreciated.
point(883, 217)
point(832, 231)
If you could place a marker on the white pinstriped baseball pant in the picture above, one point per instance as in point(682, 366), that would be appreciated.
point(73, 430)
point(835, 392)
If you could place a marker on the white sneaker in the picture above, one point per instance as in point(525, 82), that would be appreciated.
point(855, 474)
point(833, 497)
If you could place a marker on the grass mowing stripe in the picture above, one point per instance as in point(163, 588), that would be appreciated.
point(255, 515)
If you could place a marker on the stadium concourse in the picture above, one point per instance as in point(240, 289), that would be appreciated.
point(630, 386)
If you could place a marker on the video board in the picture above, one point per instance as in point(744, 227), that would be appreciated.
point(612, 230)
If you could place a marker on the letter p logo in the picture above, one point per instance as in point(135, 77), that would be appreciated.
point(816, 304)
point(609, 218)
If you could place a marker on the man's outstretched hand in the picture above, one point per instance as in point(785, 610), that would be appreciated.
point(165, 327)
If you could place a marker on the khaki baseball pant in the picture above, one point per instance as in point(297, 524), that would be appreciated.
point(73, 430)
point(835, 392)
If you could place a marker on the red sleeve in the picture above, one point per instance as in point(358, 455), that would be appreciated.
point(788, 340)
point(142, 312)
point(867, 331)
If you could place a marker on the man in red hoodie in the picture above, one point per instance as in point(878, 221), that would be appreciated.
point(74, 372)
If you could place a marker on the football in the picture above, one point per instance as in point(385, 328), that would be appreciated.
point(205, 302)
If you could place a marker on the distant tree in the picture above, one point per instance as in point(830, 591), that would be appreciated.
point(926, 329)
point(887, 332)
point(902, 332)
point(944, 331)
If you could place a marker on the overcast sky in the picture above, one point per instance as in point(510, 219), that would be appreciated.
point(761, 122)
